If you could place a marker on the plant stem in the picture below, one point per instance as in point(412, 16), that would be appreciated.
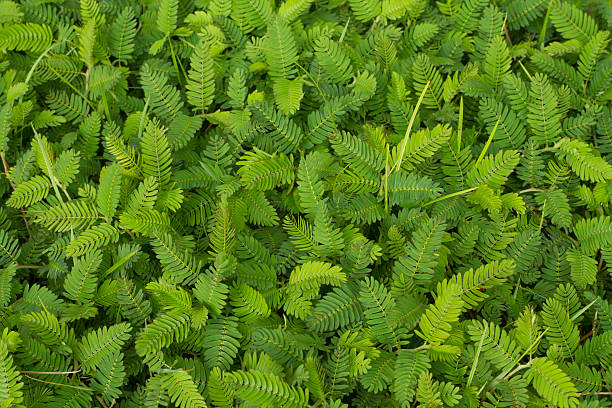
point(518, 368)
point(531, 190)
point(51, 372)
point(589, 334)
point(543, 30)
point(174, 61)
point(596, 393)
point(456, 193)
point(460, 124)
point(402, 148)
point(486, 146)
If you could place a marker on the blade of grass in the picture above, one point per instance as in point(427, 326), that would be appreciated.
point(460, 124)
point(475, 362)
point(456, 193)
point(404, 143)
point(387, 181)
point(486, 146)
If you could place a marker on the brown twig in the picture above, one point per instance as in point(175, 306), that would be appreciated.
point(595, 393)
point(589, 334)
point(58, 384)
point(6, 172)
point(51, 372)
point(507, 35)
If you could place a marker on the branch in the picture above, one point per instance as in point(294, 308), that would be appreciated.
point(51, 372)
point(586, 336)
point(531, 190)
point(595, 393)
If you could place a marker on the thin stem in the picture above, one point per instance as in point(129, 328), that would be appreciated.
point(486, 146)
point(507, 34)
point(589, 334)
point(404, 144)
point(595, 393)
point(174, 61)
point(316, 84)
point(421, 347)
point(39, 59)
point(552, 148)
point(51, 372)
point(344, 30)
point(456, 193)
point(543, 29)
point(387, 181)
point(58, 384)
point(517, 369)
point(531, 190)
point(460, 124)
point(475, 362)
point(64, 80)
point(106, 111)
point(101, 401)
point(525, 70)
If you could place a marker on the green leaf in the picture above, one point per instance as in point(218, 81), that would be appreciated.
point(167, 16)
point(201, 78)
point(436, 323)
point(10, 379)
point(280, 50)
point(81, 283)
point(552, 383)
point(101, 344)
point(267, 389)
point(561, 329)
point(108, 192)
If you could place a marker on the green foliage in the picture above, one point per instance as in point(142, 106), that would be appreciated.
point(298, 203)
point(25, 37)
point(101, 344)
point(201, 80)
point(10, 379)
point(265, 389)
point(82, 281)
point(579, 155)
point(552, 383)
point(280, 50)
point(436, 323)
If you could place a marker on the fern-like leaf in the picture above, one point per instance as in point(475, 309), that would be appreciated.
point(10, 379)
point(108, 192)
point(102, 343)
point(29, 192)
point(552, 383)
point(264, 389)
point(436, 323)
point(584, 163)
point(201, 78)
point(92, 238)
point(165, 99)
point(25, 37)
point(81, 283)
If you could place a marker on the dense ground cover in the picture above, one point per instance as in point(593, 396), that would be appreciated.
point(330, 203)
